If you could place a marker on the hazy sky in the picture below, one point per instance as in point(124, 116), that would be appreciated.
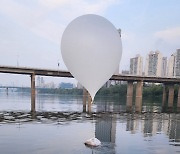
point(31, 30)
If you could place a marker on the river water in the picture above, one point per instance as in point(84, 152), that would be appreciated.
point(60, 126)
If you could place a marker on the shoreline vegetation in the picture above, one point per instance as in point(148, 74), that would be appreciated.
point(149, 90)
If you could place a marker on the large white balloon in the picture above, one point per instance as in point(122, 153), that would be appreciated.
point(91, 49)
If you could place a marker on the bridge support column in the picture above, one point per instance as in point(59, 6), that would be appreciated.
point(85, 92)
point(129, 98)
point(178, 100)
point(7, 91)
point(89, 103)
point(164, 97)
point(33, 93)
point(138, 104)
point(171, 96)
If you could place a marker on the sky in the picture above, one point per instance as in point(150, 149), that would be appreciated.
point(31, 30)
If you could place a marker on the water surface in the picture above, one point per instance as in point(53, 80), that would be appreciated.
point(60, 126)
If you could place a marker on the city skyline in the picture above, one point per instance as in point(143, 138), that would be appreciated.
point(31, 30)
point(155, 65)
point(159, 66)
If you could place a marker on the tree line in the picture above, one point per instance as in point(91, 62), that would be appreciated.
point(149, 90)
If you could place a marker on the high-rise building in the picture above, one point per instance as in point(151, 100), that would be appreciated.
point(125, 72)
point(117, 70)
point(136, 65)
point(170, 68)
point(164, 67)
point(177, 64)
point(153, 64)
point(174, 65)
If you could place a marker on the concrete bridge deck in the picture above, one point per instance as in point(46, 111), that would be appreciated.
point(61, 73)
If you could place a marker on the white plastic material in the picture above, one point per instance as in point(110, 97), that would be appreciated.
point(93, 142)
point(91, 49)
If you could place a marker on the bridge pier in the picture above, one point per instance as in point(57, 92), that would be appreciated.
point(86, 98)
point(89, 103)
point(171, 96)
point(178, 100)
point(33, 97)
point(164, 97)
point(138, 103)
point(85, 92)
point(7, 91)
point(129, 99)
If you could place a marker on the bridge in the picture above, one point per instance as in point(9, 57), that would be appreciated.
point(61, 73)
point(11, 87)
point(168, 84)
